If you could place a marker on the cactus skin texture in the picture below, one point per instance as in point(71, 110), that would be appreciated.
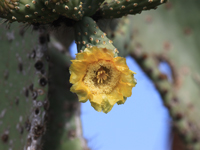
point(71, 9)
point(119, 8)
point(88, 34)
point(64, 123)
point(31, 96)
point(171, 35)
point(47, 11)
point(31, 11)
point(74, 9)
point(37, 110)
point(23, 87)
point(116, 29)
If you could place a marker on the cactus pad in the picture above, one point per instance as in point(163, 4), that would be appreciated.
point(31, 11)
point(170, 35)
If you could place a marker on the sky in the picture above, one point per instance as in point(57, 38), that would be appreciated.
point(142, 123)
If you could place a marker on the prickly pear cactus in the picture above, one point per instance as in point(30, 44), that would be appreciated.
point(88, 34)
point(118, 30)
point(171, 35)
point(37, 109)
point(31, 11)
point(23, 89)
point(118, 8)
point(47, 11)
point(31, 96)
point(64, 123)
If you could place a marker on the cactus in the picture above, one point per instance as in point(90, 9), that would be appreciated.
point(70, 9)
point(48, 11)
point(64, 112)
point(23, 96)
point(119, 8)
point(170, 35)
point(25, 71)
point(75, 9)
point(88, 34)
point(32, 11)
point(116, 29)
point(44, 113)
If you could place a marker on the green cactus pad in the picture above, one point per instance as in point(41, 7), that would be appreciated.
point(72, 9)
point(30, 11)
point(24, 88)
point(35, 97)
point(118, 30)
point(171, 35)
point(119, 8)
point(91, 6)
point(64, 126)
point(88, 34)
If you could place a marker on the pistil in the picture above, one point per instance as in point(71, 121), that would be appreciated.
point(101, 75)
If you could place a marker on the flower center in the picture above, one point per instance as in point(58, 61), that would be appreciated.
point(101, 75)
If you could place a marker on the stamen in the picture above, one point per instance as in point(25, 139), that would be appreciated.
point(101, 75)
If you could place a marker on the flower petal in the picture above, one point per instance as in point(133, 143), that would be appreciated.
point(128, 78)
point(125, 88)
point(106, 106)
point(96, 106)
point(77, 69)
point(81, 90)
point(121, 65)
point(81, 56)
point(88, 57)
point(122, 101)
point(96, 101)
point(115, 96)
point(100, 53)
point(101, 100)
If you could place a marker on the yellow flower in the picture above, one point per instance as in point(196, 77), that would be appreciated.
point(98, 76)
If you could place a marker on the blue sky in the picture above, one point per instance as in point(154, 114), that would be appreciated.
point(142, 123)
